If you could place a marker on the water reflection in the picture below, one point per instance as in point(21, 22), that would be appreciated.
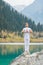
point(8, 53)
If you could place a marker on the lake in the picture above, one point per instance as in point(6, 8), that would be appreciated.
point(10, 52)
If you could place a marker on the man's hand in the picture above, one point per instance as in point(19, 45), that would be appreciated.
point(23, 31)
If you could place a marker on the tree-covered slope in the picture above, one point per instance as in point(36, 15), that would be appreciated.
point(11, 20)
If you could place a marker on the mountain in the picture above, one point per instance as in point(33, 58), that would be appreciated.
point(11, 20)
point(34, 11)
point(19, 7)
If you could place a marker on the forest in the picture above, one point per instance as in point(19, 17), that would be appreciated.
point(11, 20)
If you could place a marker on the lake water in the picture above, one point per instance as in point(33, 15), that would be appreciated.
point(7, 58)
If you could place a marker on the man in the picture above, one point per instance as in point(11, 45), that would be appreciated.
point(27, 32)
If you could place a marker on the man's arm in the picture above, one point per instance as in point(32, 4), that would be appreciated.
point(31, 31)
point(22, 31)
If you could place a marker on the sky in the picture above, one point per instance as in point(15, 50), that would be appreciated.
point(19, 4)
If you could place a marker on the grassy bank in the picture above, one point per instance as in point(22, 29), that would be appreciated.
point(18, 37)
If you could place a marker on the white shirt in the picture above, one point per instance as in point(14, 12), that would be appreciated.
point(27, 33)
